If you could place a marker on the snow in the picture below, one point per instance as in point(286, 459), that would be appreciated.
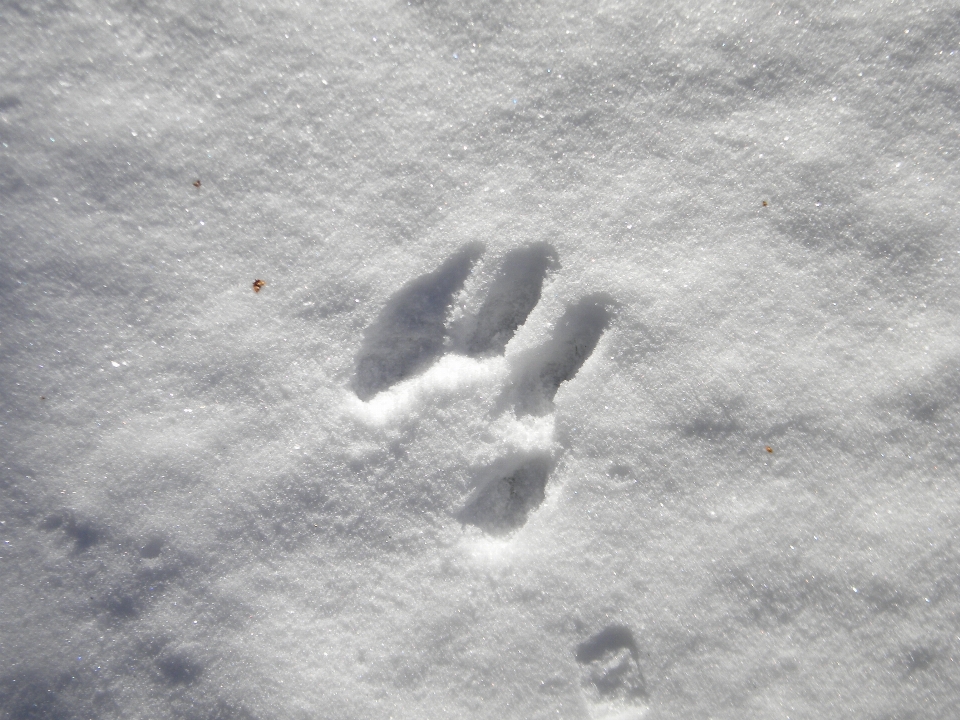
point(605, 366)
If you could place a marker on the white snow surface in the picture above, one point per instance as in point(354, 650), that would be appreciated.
point(607, 364)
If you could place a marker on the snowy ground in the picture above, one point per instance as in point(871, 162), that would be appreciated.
point(607, 363)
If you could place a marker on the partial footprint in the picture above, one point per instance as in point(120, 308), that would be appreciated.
point(409, 333)
point(503, 500)
point(513, 295)
point(83, 531)
point(539, 373)
point(502, 505)
point(612, 680)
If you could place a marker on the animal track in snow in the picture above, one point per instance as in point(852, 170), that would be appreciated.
point(411, 333)
point(83, 531)
point(513, 295)
point(612, 680)
point(408, 335)
point(540, 372)
point(504, 501)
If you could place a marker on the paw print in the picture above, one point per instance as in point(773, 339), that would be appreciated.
point(611, 679)
point(414, 333)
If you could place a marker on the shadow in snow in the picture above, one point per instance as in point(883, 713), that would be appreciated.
point(514, 293)
point(538, 373)
point(502, 504)
point(408, 335)
point(611, 664)
point(178, 669)
point(37, 695)
point(83, 531)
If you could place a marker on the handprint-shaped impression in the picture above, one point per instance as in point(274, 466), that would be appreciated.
point(411, 334)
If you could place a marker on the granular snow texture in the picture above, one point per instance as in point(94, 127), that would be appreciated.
point(605, 364)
